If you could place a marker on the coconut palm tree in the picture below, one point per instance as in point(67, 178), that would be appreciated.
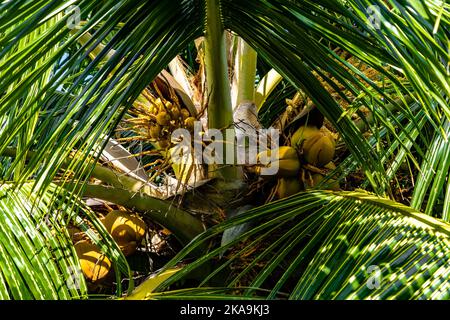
point(73, 72)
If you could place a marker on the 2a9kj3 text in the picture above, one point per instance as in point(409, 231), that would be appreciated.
point(259, 310)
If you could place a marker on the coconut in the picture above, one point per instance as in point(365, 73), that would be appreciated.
point(124, 227)
point(94, 264)
point(287, 168)
point(281, 153)
point(128, 248)
point(163, 118)
point(189, 122)
point(319, 151)
point(317, 146)
point(287, 187)
point(184, 113)
point(284, 157)
point(155, 130)
point(174, 112)
point(303, 134)
point(286, 153)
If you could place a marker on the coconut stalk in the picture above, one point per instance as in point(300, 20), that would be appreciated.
point(184, 226)
point(220, 111)
point(245, 72)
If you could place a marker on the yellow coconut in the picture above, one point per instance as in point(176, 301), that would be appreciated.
point(319, 151)
point(281, 153)
point(174, 112)
point(163, 118)
point(189, 123)
point(155, 130)
point(286, 153)
point(284, 158)
point(288, 168)
point(303, 134)
point(317, 146)
point(124, 227)
point(287, 187)
point(94, 264)
point(184, 113)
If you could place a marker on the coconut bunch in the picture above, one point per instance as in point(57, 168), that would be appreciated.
point(317, 146)
point(154, 118)
point(128, 230)
point(304, 163)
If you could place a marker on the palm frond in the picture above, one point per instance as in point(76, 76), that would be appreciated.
point(432, 180)
point(59, 104)
point(345, 245)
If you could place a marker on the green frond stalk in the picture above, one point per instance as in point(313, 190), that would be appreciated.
point(184, 226)
point(220, 111)
point(246, 58)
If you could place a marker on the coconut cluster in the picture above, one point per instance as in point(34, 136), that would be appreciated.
point(127, 230)
point(309, 145)
point(156, 118)
point(317, 146)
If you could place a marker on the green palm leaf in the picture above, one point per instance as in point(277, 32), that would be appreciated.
point(345, 245)
point(93, 100)
point(295, 32)
point(37, 259)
